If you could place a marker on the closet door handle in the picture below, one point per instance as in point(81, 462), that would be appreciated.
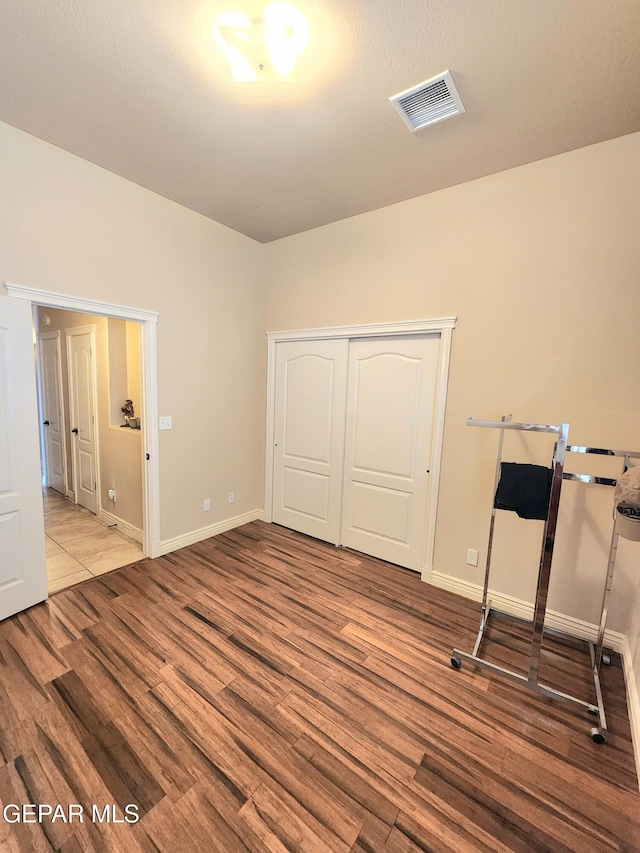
point(75, 430)
point(46, 423)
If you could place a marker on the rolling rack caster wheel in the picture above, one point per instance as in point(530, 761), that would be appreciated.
point(593, 712)
point(456, 663)
point(597, 736)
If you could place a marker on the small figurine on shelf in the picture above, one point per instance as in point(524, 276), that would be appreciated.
point(127, 411)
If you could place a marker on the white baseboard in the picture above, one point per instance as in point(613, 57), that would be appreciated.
point(633, 702)
point(524, 610)
point(122, 525)
point(168, 545)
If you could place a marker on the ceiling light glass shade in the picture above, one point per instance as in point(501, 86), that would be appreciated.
point(263, 48)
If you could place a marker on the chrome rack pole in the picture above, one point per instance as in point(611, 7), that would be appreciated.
point(547, 553)
point(607, 589)
point(595, 651)
point(598, 734)
point(505, 419)
point(485, 609)
point(517, 426)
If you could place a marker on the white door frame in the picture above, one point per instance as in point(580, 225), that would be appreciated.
point(53, 336)
point(70, 333)
point(443, 326)
point(150, 444)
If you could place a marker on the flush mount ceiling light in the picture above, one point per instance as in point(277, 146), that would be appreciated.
point(266, 48)
point(429, 102)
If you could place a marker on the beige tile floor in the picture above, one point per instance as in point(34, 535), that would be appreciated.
point(79, 546)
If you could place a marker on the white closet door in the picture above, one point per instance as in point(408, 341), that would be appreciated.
point(80, 348)
point(311, 388)
point(390, 419)
point(51, 391)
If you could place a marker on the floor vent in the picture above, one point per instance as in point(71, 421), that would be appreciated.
point(429, 102)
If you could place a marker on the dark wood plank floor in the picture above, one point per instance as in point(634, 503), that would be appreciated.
point(262, 691)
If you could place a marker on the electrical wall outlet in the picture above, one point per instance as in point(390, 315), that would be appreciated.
point(472, 557)
point(207, 505)
point(112, 495)
point(232, 497)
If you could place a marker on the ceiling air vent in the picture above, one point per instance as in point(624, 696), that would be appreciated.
point(429, 102)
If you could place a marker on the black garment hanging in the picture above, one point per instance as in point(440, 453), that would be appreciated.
point(525, 489)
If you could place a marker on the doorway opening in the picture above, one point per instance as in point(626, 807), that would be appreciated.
point(143, 445)
point(90, 390)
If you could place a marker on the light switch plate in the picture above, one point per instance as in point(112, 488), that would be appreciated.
point(165, 422)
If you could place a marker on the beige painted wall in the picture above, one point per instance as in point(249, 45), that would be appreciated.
point(540, 265)
point(71, 227)
point(120, 450)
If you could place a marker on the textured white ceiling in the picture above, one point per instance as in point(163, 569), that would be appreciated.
point(138, 87)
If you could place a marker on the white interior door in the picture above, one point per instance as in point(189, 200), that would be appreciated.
point(389, 438)
point(52, 413)
point(310, 397)
point(23, 576)
point(80, 363)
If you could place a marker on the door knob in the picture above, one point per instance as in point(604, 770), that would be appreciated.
point(46, 423)
point(75, 430)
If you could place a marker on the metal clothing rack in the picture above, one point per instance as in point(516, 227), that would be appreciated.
point(598, 658)
point(548, 538)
